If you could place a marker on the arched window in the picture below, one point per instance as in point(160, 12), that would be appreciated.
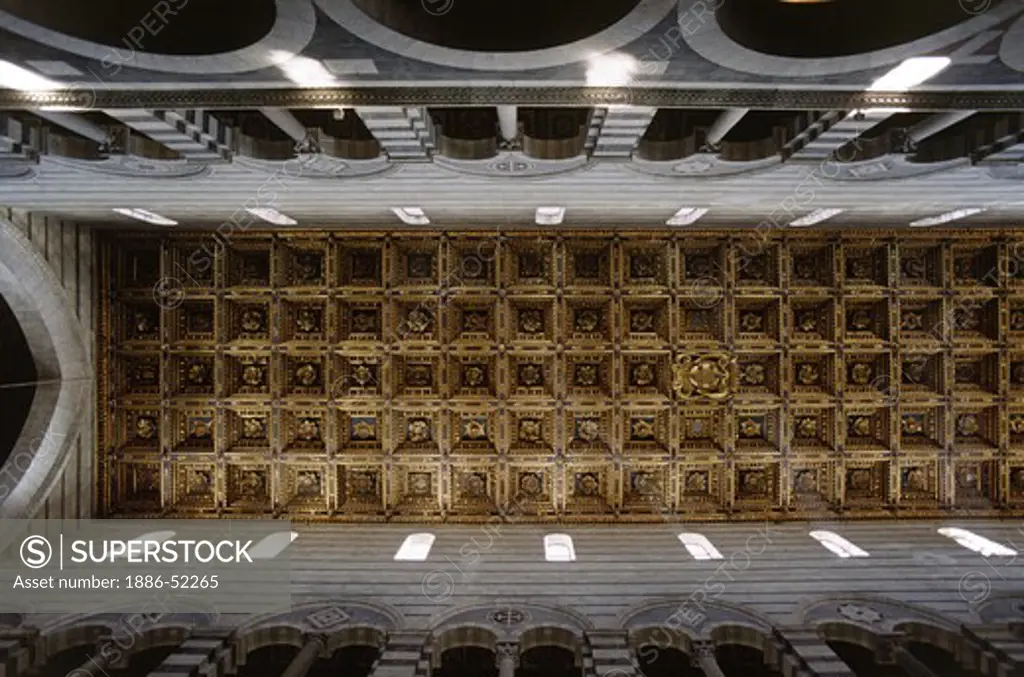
point(415, 548)
point(699, 547)
point(838, 545)
point(559, 548)
point(273, 545)
point(978, 544)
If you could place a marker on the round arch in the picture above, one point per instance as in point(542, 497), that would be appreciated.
point(505, 618)
point(925, 633)
point(745, 634)
point(661, 637)
point(343, 623)
point(58, 343)
point(863, 619)
point(124, 641)
point(477, 636)
point(849, 633)
point(291, 33)
point(683, 624)
point(296, 636)
point(707, 620)
point(531, 625)
point(871, 612)
point(643, 18)
point(952, 641)
point(712, 43)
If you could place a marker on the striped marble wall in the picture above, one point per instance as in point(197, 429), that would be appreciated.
point(775, 589)
point(772, 570)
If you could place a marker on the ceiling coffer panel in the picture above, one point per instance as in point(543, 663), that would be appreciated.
point(585, 377)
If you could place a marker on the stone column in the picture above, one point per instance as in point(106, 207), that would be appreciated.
point(16, 652)
point(704, 658)
point(405, 654)
point(94, 666)
point(891, 649)
point(723, 123)
point(507, 659)
point(11, 652)
point(805, 652)
point(311, 650)
point(610, 653)
point(207, 651)
point(508, 122)
point(902, 657)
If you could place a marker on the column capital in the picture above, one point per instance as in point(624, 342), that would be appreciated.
point(314, 645)
point(109, 653)
point(315, 638)
point(703, 657)
point(902, 657)
point(507, 651)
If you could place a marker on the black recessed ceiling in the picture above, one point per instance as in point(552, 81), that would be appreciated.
point(348, 126)
point(552, 123)
point(17, 368)
point(466, 122)
point(760, 124)
point(678, 123)
point(179, 27)
point(497, 25)
point(837, 27)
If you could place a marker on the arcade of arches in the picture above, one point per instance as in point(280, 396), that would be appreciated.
point(840, 637)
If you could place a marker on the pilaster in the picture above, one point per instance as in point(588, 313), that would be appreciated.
point(806, 653)
point(206, 652)
point(1001, 649)
point(405, 654)
point(611, 654)
point(15, 652)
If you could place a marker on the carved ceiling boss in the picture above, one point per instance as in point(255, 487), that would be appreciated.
point(713, 376)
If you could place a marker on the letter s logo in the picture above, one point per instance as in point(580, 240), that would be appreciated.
point(36, 552)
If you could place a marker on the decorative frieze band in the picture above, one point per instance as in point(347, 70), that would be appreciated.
point(547, 96)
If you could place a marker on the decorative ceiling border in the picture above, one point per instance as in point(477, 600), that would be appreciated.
point(806, 99)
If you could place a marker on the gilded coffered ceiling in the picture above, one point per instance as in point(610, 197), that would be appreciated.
point(571, 377)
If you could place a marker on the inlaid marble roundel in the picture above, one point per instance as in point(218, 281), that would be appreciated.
point(508, 617)
point(860, 613)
